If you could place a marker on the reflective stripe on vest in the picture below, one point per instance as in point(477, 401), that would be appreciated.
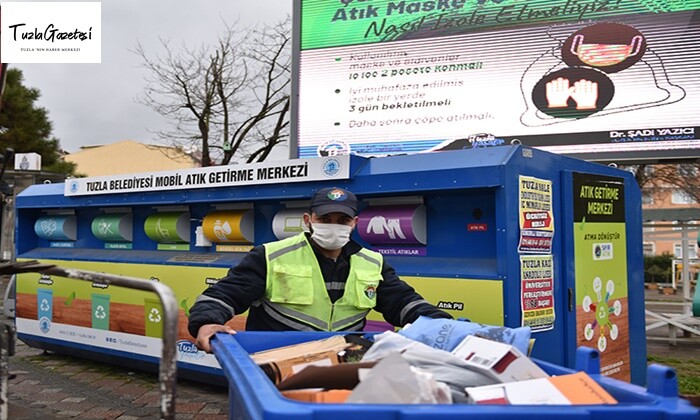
point(296, 294)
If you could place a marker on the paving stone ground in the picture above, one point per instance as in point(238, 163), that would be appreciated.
point(48, 385)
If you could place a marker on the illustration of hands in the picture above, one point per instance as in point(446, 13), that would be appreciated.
point(578, 83)
point(558, 92)
point(583, 92)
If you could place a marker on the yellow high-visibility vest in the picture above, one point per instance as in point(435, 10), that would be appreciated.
point(296, 295)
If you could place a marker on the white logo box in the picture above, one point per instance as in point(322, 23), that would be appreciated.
point(51, 32)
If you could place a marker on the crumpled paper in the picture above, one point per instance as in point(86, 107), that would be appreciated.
point(394, 381)
point(444, 366)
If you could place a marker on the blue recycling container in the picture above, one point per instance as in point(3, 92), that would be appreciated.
point(509, 236)
point(253, 396)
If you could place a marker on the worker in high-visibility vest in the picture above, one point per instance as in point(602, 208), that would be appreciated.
point(319, 280)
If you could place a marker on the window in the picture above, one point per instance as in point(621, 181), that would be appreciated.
point(649, 248)
point(647, 198)
point(676, 222)
point(678, 253)
point(681, 197)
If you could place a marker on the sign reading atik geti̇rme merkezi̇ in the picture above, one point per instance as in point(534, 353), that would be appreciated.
point(600, 252)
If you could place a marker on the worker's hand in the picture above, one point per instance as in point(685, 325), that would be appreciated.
point(206, 332)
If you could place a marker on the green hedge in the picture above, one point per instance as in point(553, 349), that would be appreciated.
point(657, 268)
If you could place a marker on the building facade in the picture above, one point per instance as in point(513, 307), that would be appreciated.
point(129, 156)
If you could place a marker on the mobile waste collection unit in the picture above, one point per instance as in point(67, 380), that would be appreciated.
point(505, 235)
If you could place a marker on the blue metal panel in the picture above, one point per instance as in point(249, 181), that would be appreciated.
point(635, 275)
point(549, 345)
point(568, 271)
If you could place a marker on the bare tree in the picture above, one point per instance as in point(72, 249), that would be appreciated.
point(665, 178)
point(229, 102)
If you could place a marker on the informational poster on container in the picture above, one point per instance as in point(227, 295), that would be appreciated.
point(579, 77)
point(537, 291)
point(116, 319)
point(600, 252)
point(535, 215)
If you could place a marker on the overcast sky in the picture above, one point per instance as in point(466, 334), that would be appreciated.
point(93, 104)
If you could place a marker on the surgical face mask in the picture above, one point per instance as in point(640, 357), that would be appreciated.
point(330, 236)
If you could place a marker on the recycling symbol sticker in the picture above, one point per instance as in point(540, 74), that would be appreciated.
point(100, 312)
point(154, 315)
point(44, 305)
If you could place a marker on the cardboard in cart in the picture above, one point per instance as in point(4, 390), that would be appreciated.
point(500, 361)
point(318, 395)
point(340, 376)
point(572, 389)
point(283, 362)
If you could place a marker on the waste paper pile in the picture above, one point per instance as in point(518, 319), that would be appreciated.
point(432, 361)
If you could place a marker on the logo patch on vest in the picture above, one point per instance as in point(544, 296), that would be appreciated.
point(370, 292)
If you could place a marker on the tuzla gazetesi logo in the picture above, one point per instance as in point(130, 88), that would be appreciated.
point(51, 32)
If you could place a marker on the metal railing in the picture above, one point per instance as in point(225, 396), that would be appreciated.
point(168, 363)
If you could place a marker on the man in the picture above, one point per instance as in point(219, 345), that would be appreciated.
point(319, 280)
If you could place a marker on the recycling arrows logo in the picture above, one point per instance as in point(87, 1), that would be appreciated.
point(100, 312)
point(44, 306)
point(154, 316)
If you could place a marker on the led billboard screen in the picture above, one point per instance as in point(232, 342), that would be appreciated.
point(601, 80)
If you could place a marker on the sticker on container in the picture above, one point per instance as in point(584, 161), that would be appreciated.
point(113, 227)
point(231, 226)
point(100, 311)
point(395, 225)
point(56, 228)
point(169, 227)
point(288, 222)
point(44, 301)
point(153, 317)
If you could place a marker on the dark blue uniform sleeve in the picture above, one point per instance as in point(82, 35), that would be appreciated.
point(231, 295)
point(399, 303)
